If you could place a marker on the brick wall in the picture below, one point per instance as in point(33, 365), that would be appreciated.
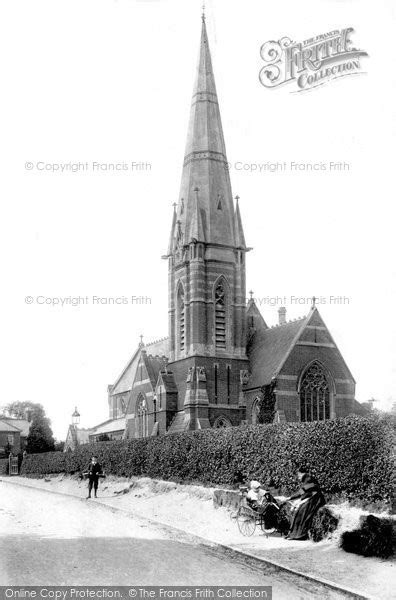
point(287, 382)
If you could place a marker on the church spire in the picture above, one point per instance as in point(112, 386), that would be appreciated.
point(205, 161)
point(206, 257)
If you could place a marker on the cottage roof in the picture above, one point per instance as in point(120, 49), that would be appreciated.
point(7, 427)
point(22, 424)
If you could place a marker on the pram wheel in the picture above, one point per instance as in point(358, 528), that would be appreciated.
point(246, 522)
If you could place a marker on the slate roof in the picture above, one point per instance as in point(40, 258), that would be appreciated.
point(109, 426)
point(158, 347)
point(23, 425)
point(6, 427)
point(254, 316)
point(125, 380)
point(154, 364)
point(269, 348)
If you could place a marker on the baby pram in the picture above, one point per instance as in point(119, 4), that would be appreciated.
point(267, 514)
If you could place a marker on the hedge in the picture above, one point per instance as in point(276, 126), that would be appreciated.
point(350, 457)
point(375, 537)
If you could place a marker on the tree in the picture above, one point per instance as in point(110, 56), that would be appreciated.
point(267, 404)
point(23, 409)
point(59, 446)
point(40, 438)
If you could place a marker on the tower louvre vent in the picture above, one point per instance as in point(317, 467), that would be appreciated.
point(220, 317)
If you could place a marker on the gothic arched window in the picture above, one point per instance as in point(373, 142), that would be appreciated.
point(315, 394)
point(220, 316)
point(181, 318)
point(142, 416)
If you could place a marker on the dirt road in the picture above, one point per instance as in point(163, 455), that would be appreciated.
point(50, 539)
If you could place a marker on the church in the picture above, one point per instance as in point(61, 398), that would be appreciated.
point(221, 365)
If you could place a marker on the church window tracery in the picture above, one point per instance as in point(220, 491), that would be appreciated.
point(315, 394)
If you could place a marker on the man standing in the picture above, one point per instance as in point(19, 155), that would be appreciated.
point(94, 470)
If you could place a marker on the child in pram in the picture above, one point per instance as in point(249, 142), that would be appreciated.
point(263, 502)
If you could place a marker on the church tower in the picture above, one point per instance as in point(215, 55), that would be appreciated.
point(206, 264)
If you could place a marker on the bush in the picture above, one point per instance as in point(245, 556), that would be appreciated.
point(323, 524)
point(349, 457)
point(373, 538)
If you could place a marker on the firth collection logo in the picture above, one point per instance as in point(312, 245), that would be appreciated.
point(312, 62)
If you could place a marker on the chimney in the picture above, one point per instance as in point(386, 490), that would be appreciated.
point(282, 315)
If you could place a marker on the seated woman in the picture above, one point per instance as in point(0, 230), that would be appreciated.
point(310, 499)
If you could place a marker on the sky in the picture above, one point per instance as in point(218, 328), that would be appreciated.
point(105, 82)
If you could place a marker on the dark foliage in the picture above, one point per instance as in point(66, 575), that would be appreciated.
point(349, 456)
point(373, 538)
point(40, 438)
point(323, 524)
point(267, 404)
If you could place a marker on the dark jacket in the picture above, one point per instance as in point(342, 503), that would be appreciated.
point(314, 499)
point(94, 470)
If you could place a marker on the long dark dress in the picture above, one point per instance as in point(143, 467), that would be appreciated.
point(314, 499)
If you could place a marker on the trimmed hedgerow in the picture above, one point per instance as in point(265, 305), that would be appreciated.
point(349, 457)
point(375, 537)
